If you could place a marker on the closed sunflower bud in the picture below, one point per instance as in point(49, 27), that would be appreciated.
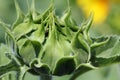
point(48, 44)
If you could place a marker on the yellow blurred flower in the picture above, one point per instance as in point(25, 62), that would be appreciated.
point(99, 7)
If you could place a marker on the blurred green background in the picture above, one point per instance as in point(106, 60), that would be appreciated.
point(110, 26)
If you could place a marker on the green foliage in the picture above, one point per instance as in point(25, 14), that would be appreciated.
point(47, 45)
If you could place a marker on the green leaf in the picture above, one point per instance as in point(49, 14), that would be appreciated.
point(23, 29)
point(109, 49)
point(86, 26)
point(27, 52)
point(20, 15)
point(9, 35)
point(81, 48)
point(35, 14)
point(101, 62)
point(30, 50)
point(3, 49)
point(39, 68)
point(65, 65)
point(11, 66)
point(107, 53)
point(21, 72)
point(81, 69)
point(67, 20)
point(44, 15)
point(39, 34)
point(51, 53)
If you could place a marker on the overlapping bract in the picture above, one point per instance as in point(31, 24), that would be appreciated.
point(50, 45)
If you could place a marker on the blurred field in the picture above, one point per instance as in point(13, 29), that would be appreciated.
point(106, 24)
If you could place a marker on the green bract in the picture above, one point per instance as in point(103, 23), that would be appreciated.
point(44, 44)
